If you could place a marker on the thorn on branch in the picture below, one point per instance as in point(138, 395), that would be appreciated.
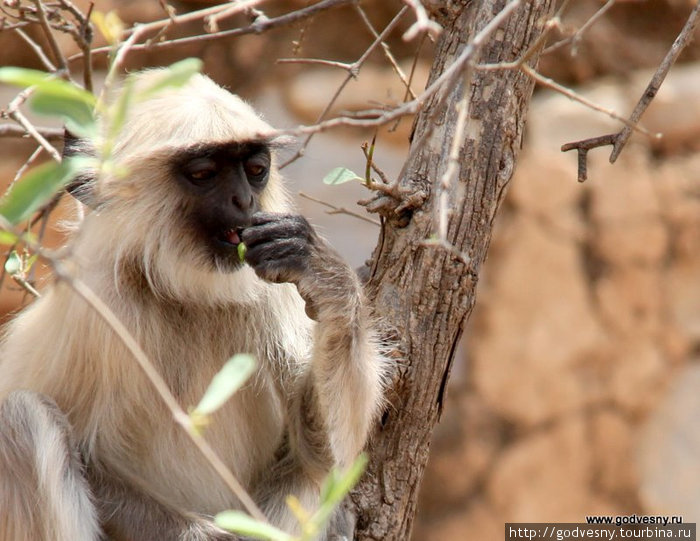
point(584, 146)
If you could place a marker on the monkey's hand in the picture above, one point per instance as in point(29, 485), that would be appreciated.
point(285, 248)
point(340, 394)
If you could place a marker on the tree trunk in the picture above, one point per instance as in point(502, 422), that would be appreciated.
point(424, 292)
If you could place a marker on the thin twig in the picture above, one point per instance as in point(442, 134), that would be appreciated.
point(331, 63)
point(549, 83)
point(423, 24)
point(387, 52)
point(212, 21)
point(522, 65)
point(368, 151)
point(409, 92)
point(339, 210)
point(444, 83)
point(352, 73)
point(50, 134)
point(83, 37)
point(618, 140)
point(25, 165)
point(445, 245)
point(15, 114)
point(43, 219)
point(36, 48)
point(51, 38)
point(576, 37)
point(442, 199)
point(257, 27)
point(22, 282)
point(653, 87)
point(199, 14)
point(75, 10)
point(86, 47)
point(119, 58)
point(172, 21)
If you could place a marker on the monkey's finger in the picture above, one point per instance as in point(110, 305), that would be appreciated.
point(263, 217)
point(278, 250)
point(279, 261)
point(287, 227)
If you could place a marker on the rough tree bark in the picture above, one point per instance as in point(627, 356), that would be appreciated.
point(425, 293)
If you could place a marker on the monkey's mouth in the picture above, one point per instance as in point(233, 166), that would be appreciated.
point(224, 248)
point(230, 237)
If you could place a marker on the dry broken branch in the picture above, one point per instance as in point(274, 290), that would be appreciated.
point(619, 140)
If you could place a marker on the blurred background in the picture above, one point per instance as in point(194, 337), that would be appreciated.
point(577, 387)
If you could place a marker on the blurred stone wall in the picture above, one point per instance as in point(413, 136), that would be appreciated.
point(579, 392)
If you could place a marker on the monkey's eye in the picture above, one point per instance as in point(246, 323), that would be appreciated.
point(200, 170)
point(255, 169)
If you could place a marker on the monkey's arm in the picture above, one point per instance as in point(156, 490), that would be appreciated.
point(342, 392)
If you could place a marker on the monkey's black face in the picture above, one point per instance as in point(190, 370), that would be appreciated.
point(222, 185)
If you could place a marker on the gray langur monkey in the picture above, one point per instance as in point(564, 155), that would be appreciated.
point(87, 449)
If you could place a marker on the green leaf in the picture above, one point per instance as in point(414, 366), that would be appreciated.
point(22, 76)
point(336, 486)
point(239, 522)
point(30, 262)
point(75, 112)
point(109, 25)
point(340, 175)
point(329, 484)
point(7, 238)
point(38, 186)
point(242, 249)
point(55, 97)
point(341, 483)
point(117, 115)
point(13, 264)
point(229, 379)
point(45, 82)
point(175, 75)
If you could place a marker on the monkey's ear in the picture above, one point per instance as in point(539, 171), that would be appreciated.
point(82, 186)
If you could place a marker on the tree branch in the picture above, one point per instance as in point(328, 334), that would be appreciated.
point(257, 27)
point(51, 38)
point(49, 134)
point(619, 140)
point(419, 290)
point(679, 44)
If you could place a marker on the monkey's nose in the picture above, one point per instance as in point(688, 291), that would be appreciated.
point(244, 202)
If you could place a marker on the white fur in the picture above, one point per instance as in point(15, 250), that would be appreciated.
point(190, 317)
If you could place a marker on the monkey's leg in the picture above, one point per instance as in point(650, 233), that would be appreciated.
point(43, 493)
point(129, 513)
